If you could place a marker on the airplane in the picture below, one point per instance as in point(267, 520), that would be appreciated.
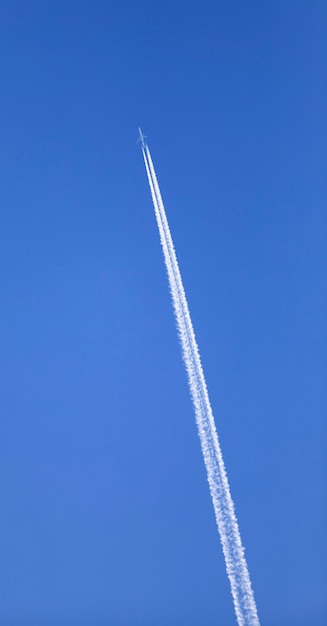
point(141, 138)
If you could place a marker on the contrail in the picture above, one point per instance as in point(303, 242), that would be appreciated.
point(236, 566)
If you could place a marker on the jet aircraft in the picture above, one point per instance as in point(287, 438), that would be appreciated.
point(141, 138)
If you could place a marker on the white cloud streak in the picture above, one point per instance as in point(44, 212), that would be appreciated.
point(236, 566)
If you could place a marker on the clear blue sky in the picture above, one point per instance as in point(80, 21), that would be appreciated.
point(106, 517)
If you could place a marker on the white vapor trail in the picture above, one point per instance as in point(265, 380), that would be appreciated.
point(237, 571)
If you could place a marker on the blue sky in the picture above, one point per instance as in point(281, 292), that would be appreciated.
point(106, 515)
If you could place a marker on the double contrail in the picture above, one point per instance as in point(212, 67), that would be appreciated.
point(237, 571)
